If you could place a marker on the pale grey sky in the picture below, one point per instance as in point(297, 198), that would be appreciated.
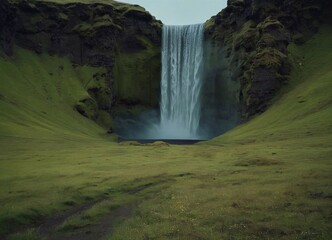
point(181, 12)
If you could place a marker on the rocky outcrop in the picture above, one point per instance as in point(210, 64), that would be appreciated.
point(254, 36)
point(100, 34)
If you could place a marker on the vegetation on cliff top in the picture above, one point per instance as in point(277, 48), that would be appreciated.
point(116, 4)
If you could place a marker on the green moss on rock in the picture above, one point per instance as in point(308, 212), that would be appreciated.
point(87, 107)
point(104, 119)
point(63, 16)
point(270, 23)
point(92, 27)
point(208, 24)
point(246, 36)
point(135, 75)
point(269, 57)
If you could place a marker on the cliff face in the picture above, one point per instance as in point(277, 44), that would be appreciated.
point(96, 33)
point(254, 35)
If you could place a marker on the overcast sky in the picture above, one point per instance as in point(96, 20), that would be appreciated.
point(181, 12)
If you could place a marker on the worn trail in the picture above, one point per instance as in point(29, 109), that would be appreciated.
point(105, 225)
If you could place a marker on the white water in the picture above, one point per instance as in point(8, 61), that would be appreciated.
point(181, 83)
point(182, 70)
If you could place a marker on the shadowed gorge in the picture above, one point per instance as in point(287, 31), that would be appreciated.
point(72, 70)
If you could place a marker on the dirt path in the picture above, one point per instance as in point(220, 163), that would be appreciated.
point(105, 226)
point(92, 232)
point(50, 224)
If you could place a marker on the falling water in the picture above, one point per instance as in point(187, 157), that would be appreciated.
point(182, 69)
point(184, 114)
point(181, 84)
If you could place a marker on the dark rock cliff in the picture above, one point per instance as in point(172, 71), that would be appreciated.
point(254, 35)
point(119, 37)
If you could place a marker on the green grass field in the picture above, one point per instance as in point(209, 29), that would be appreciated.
point(267, 179)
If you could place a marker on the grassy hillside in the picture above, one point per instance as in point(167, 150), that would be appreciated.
point(267, 179)
point(38, 95)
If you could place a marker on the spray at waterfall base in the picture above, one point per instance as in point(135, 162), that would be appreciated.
point(198, 100)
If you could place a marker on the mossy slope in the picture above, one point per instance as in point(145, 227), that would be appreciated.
point(136, 75)
point(38, 94)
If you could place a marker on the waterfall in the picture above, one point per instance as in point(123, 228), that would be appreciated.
point(184, 113)
point(182, 70)
point(181, 87)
